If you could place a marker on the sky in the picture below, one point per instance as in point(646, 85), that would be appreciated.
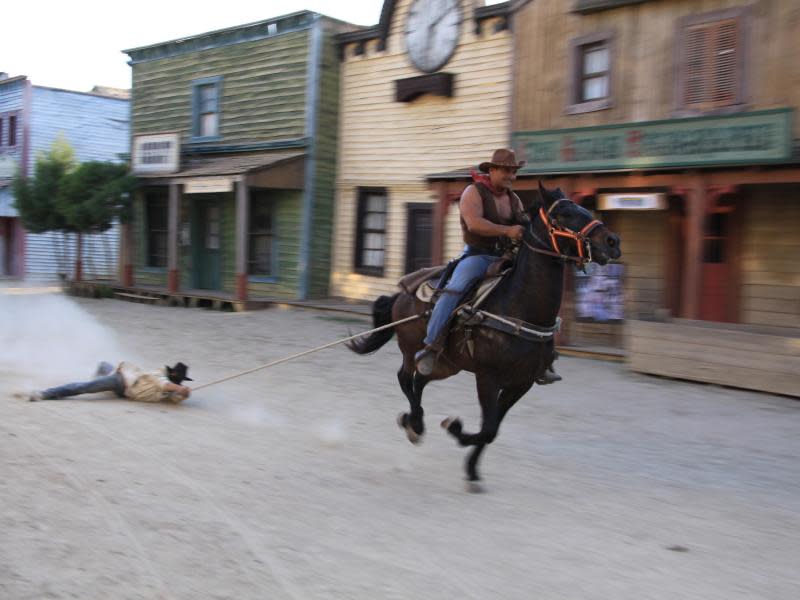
point(78, 44)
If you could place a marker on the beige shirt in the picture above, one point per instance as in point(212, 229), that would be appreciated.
point(146, 387)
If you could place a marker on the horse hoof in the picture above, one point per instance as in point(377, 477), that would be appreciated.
point(402, 422)
point(452, 425)
point(475, 487)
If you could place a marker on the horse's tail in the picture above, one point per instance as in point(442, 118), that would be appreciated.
point(381, 315)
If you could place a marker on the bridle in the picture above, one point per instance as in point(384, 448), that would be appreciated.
point(555, 230)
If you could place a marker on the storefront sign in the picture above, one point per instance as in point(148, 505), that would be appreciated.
point(747, 138)
point(208, 185)
point(154, 154)
point(631, 202)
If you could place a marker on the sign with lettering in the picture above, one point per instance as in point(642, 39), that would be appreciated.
point(208, 185)
point(155, 154)
point(761, 137)
point(632, 202)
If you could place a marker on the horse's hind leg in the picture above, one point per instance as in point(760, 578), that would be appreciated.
point(412, 422)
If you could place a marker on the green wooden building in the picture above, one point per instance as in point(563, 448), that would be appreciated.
point(233, 139)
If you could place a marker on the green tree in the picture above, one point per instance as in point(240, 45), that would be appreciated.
point(35, 198)
point(93, 195)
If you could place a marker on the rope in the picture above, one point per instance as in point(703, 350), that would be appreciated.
point(299, 354)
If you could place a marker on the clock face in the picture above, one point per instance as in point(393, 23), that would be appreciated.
point(432, 32)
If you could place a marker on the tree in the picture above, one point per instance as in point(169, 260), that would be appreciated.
point(35, 198)
point(93, 195)
point(63, 196)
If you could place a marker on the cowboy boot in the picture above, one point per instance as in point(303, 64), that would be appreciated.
point(425, 360)
point(549, 376)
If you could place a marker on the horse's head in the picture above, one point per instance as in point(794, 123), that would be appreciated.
point(572, 230)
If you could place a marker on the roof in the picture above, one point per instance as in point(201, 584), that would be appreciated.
point(381, 30)
point(212, 166)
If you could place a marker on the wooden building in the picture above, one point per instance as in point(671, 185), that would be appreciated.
point(32, 118)
point(234, 141)
point(675, 121)
point(416, 99)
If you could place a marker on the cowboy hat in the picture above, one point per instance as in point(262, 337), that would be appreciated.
point(502, 158)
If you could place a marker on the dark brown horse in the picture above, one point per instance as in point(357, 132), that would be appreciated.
point(505, 366)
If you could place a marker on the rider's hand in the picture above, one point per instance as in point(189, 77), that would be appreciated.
point(515, 232)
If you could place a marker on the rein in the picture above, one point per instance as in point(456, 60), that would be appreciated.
point(555, 230)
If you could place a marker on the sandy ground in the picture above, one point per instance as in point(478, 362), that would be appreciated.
point(296, 483)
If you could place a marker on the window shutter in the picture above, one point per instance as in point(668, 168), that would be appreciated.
point(725, 71)
point(696, 65)
point(711, 75)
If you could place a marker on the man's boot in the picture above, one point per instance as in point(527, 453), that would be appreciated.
point(549, 376)
point(425, 360)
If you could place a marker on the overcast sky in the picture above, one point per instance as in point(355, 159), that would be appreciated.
point(77, 44)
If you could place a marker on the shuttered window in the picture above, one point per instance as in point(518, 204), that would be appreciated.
point(712, 65)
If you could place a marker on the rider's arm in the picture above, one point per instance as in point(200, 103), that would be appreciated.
point(521, 215)
point(471, 207)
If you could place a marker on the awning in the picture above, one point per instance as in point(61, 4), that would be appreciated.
point(217, 173)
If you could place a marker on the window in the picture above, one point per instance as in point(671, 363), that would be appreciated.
point(1, 131)
point(594, 72)
point(711, 65)
point(590, 83)
point(260, 253)
point(371, 231)
point(12, 130)
point(206, 107)
point(156, 231)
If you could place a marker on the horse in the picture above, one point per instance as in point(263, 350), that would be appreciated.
point(505, 366)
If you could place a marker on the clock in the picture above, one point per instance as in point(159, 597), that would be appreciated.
point(432, 31)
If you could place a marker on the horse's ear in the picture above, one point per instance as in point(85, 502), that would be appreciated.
point(548, 197)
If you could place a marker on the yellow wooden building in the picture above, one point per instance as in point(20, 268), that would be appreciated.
point(426, 90)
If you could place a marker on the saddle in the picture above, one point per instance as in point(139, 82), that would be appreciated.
point(427, 284)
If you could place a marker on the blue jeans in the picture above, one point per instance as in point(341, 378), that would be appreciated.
point(105, 381)
point(469, 270)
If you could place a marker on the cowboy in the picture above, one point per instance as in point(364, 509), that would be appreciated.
point(127, 381)
point(491, 215)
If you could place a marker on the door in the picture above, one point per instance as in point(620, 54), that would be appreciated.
point(418, 236)
point(206, 228)
point(716, 270)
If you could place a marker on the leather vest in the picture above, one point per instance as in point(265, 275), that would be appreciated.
point(491, 244)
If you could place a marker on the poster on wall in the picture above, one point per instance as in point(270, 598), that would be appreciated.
point(599, 293)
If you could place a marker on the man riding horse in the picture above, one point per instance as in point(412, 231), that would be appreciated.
point(491, 216)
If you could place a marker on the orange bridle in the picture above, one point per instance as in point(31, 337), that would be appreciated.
point(556, 231)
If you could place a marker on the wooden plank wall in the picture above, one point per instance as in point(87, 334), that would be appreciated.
point(263, 89)
point(770, 293)
point(645, 36)
point(389, 144)
point(643, 235)
point(733, 355)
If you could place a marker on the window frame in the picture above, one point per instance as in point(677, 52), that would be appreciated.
point(578, 45)
point(272, 276)
point(197, 114)
point(742, 15)
point(363, 193)
point(149, 200)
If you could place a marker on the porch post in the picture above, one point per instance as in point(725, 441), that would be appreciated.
point(695, 196)
point(79, 256)
point(126, 254)
point(173, 217)
point(439, 216)
point(242, 213)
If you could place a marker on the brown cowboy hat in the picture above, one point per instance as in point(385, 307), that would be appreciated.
point(502, 158)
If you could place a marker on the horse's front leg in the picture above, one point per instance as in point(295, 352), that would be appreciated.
point(488, 391)
point(505, 398)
